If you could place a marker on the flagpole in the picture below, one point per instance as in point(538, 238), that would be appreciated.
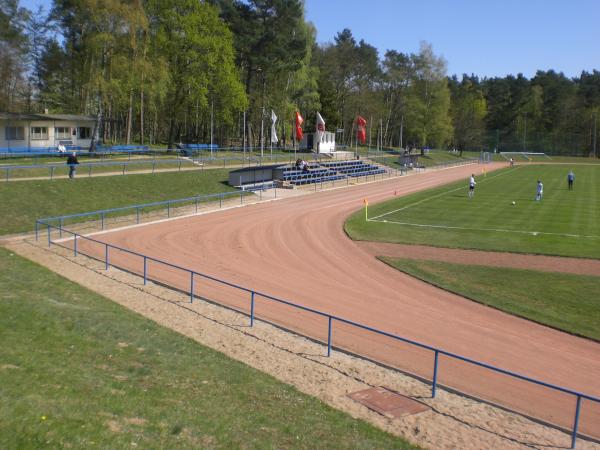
point(211, 128)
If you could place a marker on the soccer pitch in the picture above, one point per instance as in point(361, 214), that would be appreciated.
point(564, 223)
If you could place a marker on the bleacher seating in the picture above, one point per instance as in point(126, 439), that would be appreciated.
point(191, 149)
point(331, 171)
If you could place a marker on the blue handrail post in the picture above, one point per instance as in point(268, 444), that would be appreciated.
point(106, 257)
point(576, 423)
point(74, 245)
point(252, 309)
point(435, 372)
point(191, 287)
point(145, 270)
point(329, 337)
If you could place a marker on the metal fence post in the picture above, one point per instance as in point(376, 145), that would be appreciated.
point(252, 309)
point(145, 270)
point(37, 231)
point(124, 165)
point(329, 338)
point(168, 209)
point(52, 172)
point(106, 257)
point(102, 220)
point(241, 198)
point(60, 223)
point(221, 201)
point(49, 237)
point(137, 213)
point(196, 204)
point(576, 423)
point(74, 245)
point(435, 371)
point(7, 172)
point(191, 287)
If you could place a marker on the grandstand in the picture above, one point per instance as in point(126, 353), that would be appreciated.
point(317, 172)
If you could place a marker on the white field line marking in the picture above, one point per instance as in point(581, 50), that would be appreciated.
point(533, 233)
point(432, 197)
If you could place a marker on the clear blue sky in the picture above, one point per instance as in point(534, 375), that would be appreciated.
point(484, 37)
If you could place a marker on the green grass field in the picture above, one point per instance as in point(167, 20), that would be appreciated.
point(21, 203)
point(79, 371)
point(564, 223)
point(563, 301)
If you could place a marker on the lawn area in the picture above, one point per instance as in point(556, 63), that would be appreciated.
point(77, 370)
point(564, 223)
point(22, 202)
point(563, 301)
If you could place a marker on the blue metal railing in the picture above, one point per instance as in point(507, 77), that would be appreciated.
point(123, 165)
point(254, 294)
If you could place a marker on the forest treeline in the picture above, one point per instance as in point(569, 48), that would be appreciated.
point(156, 71)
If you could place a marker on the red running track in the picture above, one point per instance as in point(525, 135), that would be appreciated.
point(296, 249)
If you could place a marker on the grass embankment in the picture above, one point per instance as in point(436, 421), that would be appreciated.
point(563, 301)
point(21, 203)
point(77, 370)
point(564, 223)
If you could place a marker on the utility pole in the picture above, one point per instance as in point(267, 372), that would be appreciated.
point(244, 141)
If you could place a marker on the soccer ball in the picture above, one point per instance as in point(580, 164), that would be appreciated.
point(514, 203)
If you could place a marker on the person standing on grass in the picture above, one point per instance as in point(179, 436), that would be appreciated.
point(540, 191)
point(72, 163)
point(472, 184)
point(571, 179)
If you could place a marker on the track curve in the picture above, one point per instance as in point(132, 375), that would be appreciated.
point(296, 249)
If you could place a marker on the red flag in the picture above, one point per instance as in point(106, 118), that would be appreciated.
point(361, 131)
point(299, 122)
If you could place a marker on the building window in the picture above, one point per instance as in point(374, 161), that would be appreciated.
point(62, 133)
point(39, 133)
point(85, 133)
point(15, 133)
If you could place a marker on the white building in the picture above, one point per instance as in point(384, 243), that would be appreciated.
point(44, 131)
point(326, 145)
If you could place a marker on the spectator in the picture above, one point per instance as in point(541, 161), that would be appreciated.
point(72, 163)
point(61, 148)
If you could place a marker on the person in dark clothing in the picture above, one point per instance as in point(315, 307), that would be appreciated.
point(72, 163)
point(571, 179)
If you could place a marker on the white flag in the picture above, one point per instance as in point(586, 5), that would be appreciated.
point(274, 139)
point(320, 127)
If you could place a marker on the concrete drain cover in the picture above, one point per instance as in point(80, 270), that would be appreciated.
point(388, 403)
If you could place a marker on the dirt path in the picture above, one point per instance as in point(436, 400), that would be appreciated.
point(453, 422)
point(543, 263)
point(105, 174)
point(296, 250)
